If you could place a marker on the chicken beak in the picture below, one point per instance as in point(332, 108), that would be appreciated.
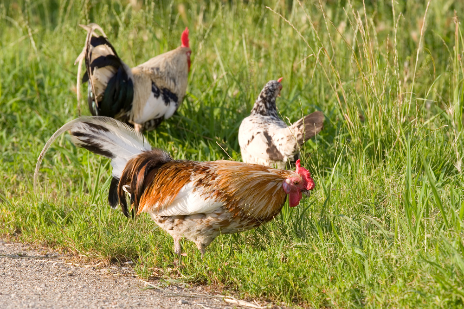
point(306, 192)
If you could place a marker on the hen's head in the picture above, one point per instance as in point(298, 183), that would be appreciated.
point(266, 102)
point(272, 88)
point(298, 184)
point(185, 45)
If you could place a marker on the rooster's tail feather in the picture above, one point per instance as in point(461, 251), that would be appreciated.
point(104, 136)
point(111, 88)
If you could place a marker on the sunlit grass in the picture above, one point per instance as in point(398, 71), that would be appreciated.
point(384, 226)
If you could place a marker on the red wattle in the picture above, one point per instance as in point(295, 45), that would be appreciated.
point(294, 198)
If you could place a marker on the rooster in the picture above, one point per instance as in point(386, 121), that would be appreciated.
point(265, 139)
point(195, 200)
point(142, 96)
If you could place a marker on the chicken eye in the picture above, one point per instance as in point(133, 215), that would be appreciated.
point(296, 182)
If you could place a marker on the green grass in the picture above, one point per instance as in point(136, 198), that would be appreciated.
point(384, 226)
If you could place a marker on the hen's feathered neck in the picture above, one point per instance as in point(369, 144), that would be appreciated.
point(265, 105)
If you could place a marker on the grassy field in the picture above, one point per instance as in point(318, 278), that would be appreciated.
point(384, 226)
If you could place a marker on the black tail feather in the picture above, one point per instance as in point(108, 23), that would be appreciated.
point(104, 61)
point(101, 40)
point(118, 96)
point(104, 136)
point(85, 78)
point(119, 91)
point(113, 198)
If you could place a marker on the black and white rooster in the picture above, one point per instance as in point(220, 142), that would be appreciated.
point(142, 96)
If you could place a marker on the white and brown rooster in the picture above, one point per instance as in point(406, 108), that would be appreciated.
point(266, 139)
point(195, 200)
point(142, 96)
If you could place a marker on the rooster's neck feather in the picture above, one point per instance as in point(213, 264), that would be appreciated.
point(138, 174)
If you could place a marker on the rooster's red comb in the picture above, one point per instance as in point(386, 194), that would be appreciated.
point(304, 173)
point(280, 79)
point(185, 38)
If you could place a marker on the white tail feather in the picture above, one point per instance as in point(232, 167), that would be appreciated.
point(102, 135)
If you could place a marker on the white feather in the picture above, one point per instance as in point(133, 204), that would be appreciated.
point(255, 146)
point(103, 75)
point(155, 108)
point(188, 202)
point(115, 137)
point(99, 51)
point(171, 110)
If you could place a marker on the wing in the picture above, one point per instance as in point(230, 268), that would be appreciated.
point(262, 145)
point(307, 127)
point(288, 140)
point(161, 103)
point(180, 188)
point(257, 142)
point(186, 188)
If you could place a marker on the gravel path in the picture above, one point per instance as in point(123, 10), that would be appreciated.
point(33, 279)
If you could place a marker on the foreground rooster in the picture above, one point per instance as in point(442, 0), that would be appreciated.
point(195, 200)
point(142, 96)
point(265, 139)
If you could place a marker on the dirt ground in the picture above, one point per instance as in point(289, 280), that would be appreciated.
point(31, 278)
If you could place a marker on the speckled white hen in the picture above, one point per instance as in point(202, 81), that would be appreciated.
point(266, 139)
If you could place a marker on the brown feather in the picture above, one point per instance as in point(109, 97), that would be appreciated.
point(167, 183)
point(247, 190)
point(308, 126)
point(138, 173)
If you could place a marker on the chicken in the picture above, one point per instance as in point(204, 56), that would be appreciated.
point(195, 200)
point(142, 96)
point(265, 139)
